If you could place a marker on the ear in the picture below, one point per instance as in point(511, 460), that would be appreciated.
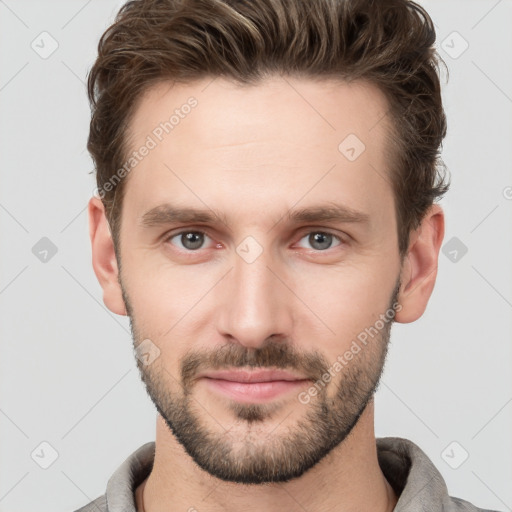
point(104, 258)
point(419, 270)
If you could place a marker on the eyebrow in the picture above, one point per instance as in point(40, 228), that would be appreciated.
point(331, 212)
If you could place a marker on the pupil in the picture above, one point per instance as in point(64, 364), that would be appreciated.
point(189, 239)
point(320, 238)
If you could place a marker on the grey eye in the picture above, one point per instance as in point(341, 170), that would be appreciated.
point(190, 240)
point(320, 241)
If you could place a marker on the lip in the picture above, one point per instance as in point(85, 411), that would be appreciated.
point(257, 386)
point(253, 375)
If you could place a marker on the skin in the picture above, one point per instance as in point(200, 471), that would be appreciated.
point(254, 154)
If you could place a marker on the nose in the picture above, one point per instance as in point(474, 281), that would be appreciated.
point(255, 304)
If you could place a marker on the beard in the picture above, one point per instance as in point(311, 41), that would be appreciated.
point(265, 456)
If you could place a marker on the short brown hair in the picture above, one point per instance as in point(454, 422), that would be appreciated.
point(386, 43)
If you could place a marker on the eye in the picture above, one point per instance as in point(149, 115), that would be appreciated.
point(320, 240)
point(189, 240)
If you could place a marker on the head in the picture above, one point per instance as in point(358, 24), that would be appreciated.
point(267, 174)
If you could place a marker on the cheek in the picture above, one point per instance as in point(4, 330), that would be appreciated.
point(155, 282)
point(160, 294)
point(175, 307)
point(347, 301)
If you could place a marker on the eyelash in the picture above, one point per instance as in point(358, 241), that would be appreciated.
point(170, 236)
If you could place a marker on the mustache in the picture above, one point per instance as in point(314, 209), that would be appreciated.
point(275, 355)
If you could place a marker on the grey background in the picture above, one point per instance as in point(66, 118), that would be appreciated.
point(68, 375)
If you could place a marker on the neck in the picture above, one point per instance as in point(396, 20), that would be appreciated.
point(348, 479)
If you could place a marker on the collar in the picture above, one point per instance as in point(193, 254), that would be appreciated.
point(414, 478)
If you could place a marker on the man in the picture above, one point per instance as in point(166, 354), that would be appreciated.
point(267, 174)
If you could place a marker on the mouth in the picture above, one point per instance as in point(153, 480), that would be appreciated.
point(256, 386)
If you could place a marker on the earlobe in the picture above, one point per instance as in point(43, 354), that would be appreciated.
point(419, 270)
point(103, 257)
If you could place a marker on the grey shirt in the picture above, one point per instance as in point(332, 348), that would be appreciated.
point(417, 483)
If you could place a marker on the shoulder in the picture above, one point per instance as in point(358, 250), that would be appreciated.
point(98, 505)
point(416, 481)
point(460, 505)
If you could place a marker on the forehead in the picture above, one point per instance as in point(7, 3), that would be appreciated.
point(277, 138)
point(230, 113)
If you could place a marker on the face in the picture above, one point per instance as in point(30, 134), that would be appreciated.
point(256, 236)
